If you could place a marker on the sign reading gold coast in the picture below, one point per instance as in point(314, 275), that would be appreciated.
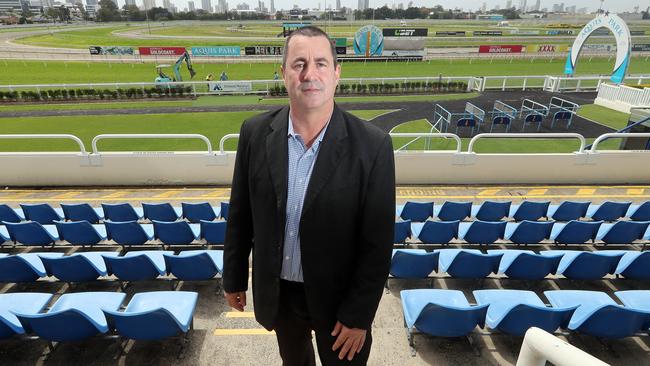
point(623, 44)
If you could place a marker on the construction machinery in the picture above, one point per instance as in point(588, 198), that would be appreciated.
point(164, 78)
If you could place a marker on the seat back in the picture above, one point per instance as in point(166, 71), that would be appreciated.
point(80, 212)
point(642, 213)
point(195, 212)
point(131, 268)
point(159, 212)
point(149, 325)
point(15, 269)
point(29, 233)
point(173, 232)
point(522, 317)
point(439, 232)
point(578, 232)
point(223, 213)
point(8, 214)
point(443, 321)
point(451, 211)
point(41, 213)
point(78, 233)
point(532, 266)
point(625, 232)
point(126, 233)
point(61, 326)
point(611, 211)
point(417, 211)
point(614, 322)
point(409, 265)
point(639, 269)
point(196, 267)
point(569, 210)
point(120, 212)
point(471, 265)
point(481, 232)
point(74, 268)
point(402, 231)
point(591, 266)
point(493, 211)
point(531, 210)
point(214, 232)
point(531, 232)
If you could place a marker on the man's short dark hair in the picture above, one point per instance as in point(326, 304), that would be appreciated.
point(309, 31)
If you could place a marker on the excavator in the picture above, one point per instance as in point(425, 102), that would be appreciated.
point(164, 78)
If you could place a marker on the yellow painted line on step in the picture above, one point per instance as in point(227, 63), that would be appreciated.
point(167, 194)
point(488, 192)
point(117, 194)
point(528, 196)
point(537, 192)
point(64, 195)
point(16, 196)
point(239, 332)
point(586, 191)
point(215, 194)
point(239, 314)
point(635, 191)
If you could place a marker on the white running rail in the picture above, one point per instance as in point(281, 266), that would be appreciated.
point(539, 347)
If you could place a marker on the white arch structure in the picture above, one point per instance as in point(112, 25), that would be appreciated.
point(621, 32)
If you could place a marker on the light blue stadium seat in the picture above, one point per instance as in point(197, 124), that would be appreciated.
point(214, 232)
point(160, 212)
point(402, 231)
point(416, 211)
point(491, 210)
point(42, 213)
point(441, 313)
point(4, 235)
point(77, 267)
point(194, 265)
point(634, 265)
point(608, 211)
point(23, 267)
point(82, 212)
point(622, 232)
point(195, 212)
point(155, 315)
point(635, 299)
point(436, 232)
point(80, 232)
point(129, 233)
point(467, 263)
point(567, 211)
point(176, 233)
point(515, 311)
point(137, 265)
point(526, 264)
point(452, 211)
point(580, 265)
point(528, 232)
point(121, 212)
point(8, 214)
point(413, 263)
point(31, 233)
point(529, 210)
point(74, 316)
point(32, 302)
point(481, 232)
point(574, 232)
point(598, 315)
point(639, 212)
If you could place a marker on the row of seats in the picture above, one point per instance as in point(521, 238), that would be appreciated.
point(46, 214)
point(122, 233)
point(521, 264)
point(78, 316)
point(525, 232)
point(526, 210)
point(447, 313)
point(191, 265)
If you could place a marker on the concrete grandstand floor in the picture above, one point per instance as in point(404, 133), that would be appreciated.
point(224, 337)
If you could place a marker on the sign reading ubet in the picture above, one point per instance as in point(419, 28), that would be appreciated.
point(623, 50)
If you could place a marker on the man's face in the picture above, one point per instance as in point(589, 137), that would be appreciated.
point(310, 74)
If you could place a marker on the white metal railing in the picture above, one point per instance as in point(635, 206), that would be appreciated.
point(222, 142)
point(539, 346)
point(74, 138)
point(150, 136)
point(418, 136)
point(601, 138)
point(579, 137)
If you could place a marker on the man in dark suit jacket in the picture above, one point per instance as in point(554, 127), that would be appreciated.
point(313, 197)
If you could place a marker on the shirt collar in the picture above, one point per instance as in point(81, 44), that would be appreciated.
point(292, 133)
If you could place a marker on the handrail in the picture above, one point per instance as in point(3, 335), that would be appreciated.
point(222, 142)
point(426, 134)
point(74, 138)
point(539, 346)
point(625, 129)
point(470, 147)
point(603, 137)
point(151, 136)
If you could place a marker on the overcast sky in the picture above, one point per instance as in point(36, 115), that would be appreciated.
point(615, 6)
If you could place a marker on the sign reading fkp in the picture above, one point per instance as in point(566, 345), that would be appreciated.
point(501, 48)
point(161, 51)
point(405, 32)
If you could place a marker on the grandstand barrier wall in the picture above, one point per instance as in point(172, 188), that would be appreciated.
point(622, 98)
point(187, 168)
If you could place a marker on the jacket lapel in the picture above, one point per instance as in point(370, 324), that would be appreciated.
point(332, 149)
point(277, 156)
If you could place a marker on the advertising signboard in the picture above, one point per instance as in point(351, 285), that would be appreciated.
point(598, 47)
point(111, 50)
point(637, 33)
point(546, 48)
point(524, 32)
point(641, 47)
point(263, 50)
point(368, 41)
point(217, 51)
point(403, 53)
point(450, 33)
point(341, 45)
point(230, 86)
point(405, 32)
point(500, 48)
point(560, 32)
point(161, 51)
point(487, 33)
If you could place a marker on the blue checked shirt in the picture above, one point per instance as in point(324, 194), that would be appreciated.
point(301, 165)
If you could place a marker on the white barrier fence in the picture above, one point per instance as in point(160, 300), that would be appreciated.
point(622, 98)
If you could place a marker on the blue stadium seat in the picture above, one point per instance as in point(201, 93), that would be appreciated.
point(73, 317)
point(77, 267)
point(568, 210)
point(129, 233)
point(402, 231)
point(526, 264)
point(155, 315)
point(8, 214)
point(82, 212)
point(437, 232)
point(481, 232)
point(214, 232)
point(160, 212)
point(223, 213)
point(195, 212)
point(528, 232)
point(121, 212)
point(24, 302)
point(80, 232)
point(194, 265)
point(137, 265)
point(175, 233)
point(452, 211)
point(608, 211)
point(491, 210)
point(634, 299)
point(515, 311)
point(574, 232)
point(31, 233)
point(529, 210)
point(622, 232)
point(40, 212)
point(23, 267)
point(598, 315)
point(639, 212)
point(634, 265)
point(4, 235)
point(467, 263)
point(413, 263)
point(416, 211)
point(579, 265)
point(441, 313)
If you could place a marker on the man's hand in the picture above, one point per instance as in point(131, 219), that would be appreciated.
point(352, 340)
point(236, 300)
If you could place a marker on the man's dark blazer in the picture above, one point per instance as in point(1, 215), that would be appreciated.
point(346, 227)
